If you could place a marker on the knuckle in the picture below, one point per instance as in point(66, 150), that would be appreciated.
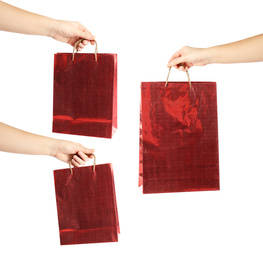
point(185, 49)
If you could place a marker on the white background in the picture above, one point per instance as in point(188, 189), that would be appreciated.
point(225, 224)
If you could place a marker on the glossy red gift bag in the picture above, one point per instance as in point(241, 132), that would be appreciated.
point(85, 94)
point(86, 205)
point(178, 137)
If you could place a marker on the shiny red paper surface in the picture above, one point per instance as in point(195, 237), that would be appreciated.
point(85, 94)
point(178, 137)
point(86, 205)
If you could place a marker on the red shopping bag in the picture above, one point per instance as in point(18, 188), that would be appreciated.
point(178, 137)
point(85, 94)
point(86, 205)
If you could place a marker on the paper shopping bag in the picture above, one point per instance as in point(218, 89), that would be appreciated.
point(85, 94)
point(178, 137)
point(86, 205)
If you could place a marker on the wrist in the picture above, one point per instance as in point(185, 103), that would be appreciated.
point(53, 147)
point(51, 27)
point(213, 55)
point(208, 55)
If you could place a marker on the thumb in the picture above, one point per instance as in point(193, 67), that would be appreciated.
point(79, 147)
point(86, 35)
point(87, 150)
point(176, 61)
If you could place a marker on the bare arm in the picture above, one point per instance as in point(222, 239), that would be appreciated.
point(247, 50)
point(13, 19)
point(14, 140)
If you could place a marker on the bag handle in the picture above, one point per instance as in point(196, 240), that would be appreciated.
point(94, 163)
point(75, 49)
point(166, 83)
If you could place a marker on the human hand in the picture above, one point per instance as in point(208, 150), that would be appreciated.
point(71, 32)
point(187, 57)
point(71, 152)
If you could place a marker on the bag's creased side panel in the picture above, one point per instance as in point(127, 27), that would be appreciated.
point(115, 96)
point(140, 183)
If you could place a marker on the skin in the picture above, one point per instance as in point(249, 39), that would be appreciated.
point(247, 50)
point(13, 140)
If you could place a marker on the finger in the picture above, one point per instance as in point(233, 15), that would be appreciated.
point(87, 150)
point(84, 29)
point(86, 35)
point(175, 55)
point(183, 68)
point(85, 42)
point(81, 45)
point(175, 62)
point(91, 156)
point(79, 147)
point(74, 163)
point(73, 41)
point(83, 156)
point(78, 160)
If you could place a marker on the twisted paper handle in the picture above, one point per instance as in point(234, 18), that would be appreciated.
point(75, 49)
point(94, 163)
point(186, 74)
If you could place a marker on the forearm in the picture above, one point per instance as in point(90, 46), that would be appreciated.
point(13, 19)
point(247, 50)
point(14, 140)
